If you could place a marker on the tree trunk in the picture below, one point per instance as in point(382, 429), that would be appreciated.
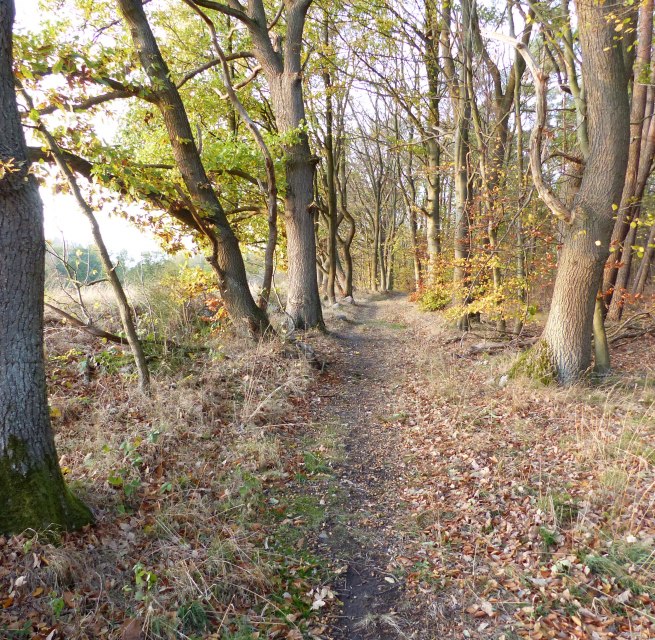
point(461, 105)
point(376, 244)
point(433, 220)
point(567, 335)
point(271, 241)
point(119, 293)
point(644, 266)
point(521, 274)
point(32, 489)
point(601, 346)
point(330, 177)
point(348, 269)
point(122, 302)
point(283, 72)
point(303, 300)
point(282, 67)
point(346, 243)
point(382, 258)
point(416, 257)
point(433, 148)
point(638, 154)
point(226, 258)
point(521, 270)
point(462, 239)
point(620, 286)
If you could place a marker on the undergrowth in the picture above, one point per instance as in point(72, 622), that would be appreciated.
point(203, 530)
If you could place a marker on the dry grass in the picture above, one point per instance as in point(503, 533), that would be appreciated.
point(188, 488)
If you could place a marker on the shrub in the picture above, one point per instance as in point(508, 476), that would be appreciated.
point(434, 300)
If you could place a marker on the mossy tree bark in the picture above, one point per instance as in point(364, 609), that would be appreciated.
point(32, 490)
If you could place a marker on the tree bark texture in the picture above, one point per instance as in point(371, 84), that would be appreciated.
point(568, 330)
point(640, 156)
point(432, 145)
point(283, 71)
point(346, 243)
point(32, 489)
point(433, 219)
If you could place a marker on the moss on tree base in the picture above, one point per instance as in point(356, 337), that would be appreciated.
point(36, 497)
point(536, 363)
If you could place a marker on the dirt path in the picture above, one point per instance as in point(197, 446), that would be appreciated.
point(362, 394)
point(468, 507)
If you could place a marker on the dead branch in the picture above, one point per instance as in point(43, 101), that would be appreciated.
point(492, 347)
point(89, 328)
point(634, 327)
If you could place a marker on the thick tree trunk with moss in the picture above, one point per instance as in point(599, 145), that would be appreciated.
point(32, 490)
point(586, 242)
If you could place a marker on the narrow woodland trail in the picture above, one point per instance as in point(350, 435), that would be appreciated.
point(363, 393)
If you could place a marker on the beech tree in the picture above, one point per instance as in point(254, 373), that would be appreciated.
point(32, 489)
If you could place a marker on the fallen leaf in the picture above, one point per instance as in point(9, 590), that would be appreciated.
point(132, 630)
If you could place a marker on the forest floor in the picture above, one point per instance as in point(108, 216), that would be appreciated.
point(407, 489)
point(477, 507)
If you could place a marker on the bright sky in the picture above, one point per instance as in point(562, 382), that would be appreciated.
point(62, 216)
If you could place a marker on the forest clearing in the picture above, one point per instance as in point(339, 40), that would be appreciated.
point(327, 320)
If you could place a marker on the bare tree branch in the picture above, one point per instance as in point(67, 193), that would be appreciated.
point(209, 65)
point(556, 206)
